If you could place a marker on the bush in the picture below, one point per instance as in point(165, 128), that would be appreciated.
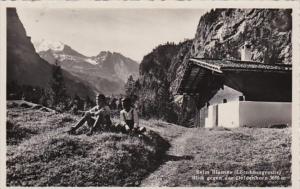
point(278, 126)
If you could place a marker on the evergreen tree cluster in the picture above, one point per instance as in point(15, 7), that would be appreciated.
point(54, 97)
point(158, 71)
point(132, 87)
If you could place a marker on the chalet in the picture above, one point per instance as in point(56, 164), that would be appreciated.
point(233, 93)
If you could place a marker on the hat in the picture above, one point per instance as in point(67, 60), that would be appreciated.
point(100, 96)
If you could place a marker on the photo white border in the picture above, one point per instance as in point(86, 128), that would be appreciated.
point(295, 5)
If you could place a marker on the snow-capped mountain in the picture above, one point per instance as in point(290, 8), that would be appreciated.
point(44, 45)
point(112, 68)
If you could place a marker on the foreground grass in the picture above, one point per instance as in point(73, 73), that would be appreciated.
point(244, 149)
point(39, 153)
point(198, 153)
point(44, 155)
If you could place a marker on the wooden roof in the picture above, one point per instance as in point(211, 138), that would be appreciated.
point(197, 76)
point(236, 65)
point(270, 82)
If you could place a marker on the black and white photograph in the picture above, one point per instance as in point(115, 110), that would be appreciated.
point(146, 96)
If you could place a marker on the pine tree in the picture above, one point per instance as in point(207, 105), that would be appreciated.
point(45, 98)
point(164, 107)
point(57, 85)
point(129, 86)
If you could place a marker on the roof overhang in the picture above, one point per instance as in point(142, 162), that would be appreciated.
point(269, 82)
point(206, 65)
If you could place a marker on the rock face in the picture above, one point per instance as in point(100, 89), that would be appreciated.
point(222, 32)
point(153, 70)
point(184, 106)
point(107, 72)
point(24, 65)
point(117, 64)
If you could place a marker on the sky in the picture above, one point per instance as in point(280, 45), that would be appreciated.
point(132, 32)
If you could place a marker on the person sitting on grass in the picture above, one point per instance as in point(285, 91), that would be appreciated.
point(97, 118)
point(129, 118)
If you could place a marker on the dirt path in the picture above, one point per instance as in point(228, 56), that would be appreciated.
point(175, 156)
point(197, 149)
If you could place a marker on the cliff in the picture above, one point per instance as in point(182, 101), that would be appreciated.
point(24, 65)
point(221, 33)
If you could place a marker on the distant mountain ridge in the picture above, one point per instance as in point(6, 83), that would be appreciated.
point(111, 65)
point(107, 71)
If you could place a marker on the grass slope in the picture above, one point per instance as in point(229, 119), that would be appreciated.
point(40, 153)
point(196, 152)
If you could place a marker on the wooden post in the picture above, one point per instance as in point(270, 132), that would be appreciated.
point(198, 103)
point(197, 118)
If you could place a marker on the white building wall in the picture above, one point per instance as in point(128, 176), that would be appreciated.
point(262, 114)
point(247, 113)
point(211, 120)
point(228, 114)
point(227, 93)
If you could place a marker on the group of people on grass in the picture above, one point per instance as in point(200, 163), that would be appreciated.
point(99, 119)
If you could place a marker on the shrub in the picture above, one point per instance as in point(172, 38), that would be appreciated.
point(278, 126)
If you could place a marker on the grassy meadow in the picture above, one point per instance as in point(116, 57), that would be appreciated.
point(41, 153)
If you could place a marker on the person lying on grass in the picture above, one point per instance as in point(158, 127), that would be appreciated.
point(97, 118)
point(129, 118)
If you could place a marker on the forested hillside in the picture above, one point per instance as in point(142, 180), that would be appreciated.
point(157, 69)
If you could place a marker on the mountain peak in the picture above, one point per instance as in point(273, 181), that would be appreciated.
point(112, 65)
point(69, 51)
point(104, 53)
point(44, 45)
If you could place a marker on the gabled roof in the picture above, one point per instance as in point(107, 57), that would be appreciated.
point(268, 82)
point(226, 65)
